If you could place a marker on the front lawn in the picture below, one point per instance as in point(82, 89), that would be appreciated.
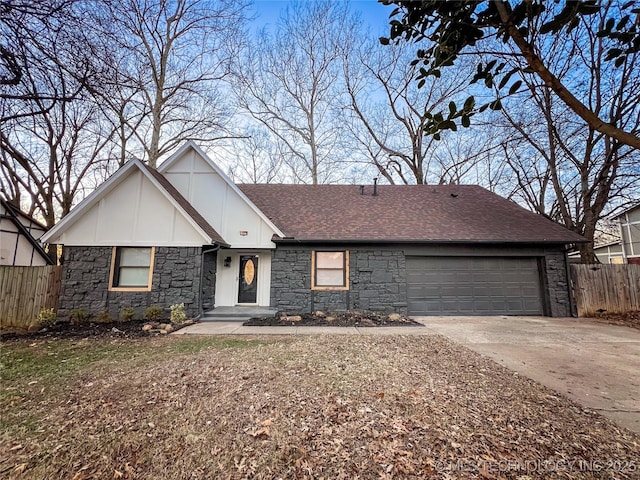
point(183, 407)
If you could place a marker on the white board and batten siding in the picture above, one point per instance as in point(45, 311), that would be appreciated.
point(231, 214)
point(133, 212)
point(218, 200)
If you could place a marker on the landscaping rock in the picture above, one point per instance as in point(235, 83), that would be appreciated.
point(350, 318)
point(147, 327)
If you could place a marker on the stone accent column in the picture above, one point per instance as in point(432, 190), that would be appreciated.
point(557, 284)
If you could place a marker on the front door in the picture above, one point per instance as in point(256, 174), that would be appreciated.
point(248, 284)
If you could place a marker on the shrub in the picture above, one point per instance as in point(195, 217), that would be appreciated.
point(153, 313)
point(103, 317)
point(47, 317)
point(127, 314)
point(177, 313)
point(78, 316)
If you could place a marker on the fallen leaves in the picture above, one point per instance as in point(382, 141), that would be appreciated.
point(307, 407)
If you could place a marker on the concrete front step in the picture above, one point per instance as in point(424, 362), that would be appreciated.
point(237, 314)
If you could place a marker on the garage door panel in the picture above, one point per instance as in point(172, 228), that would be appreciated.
point(473, 286)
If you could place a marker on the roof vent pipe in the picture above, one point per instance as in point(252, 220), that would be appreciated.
point(361, 189)
point(375, 186)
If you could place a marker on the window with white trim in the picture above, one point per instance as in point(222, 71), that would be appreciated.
point(330, 270)
point(131, 268)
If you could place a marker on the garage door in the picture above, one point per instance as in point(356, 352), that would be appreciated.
point(473, 286)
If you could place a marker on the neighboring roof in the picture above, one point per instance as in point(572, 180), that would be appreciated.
point(610, 244)
point(402, 213)
point(187, 207)
point(626, 210)
point(163, 186)
point(19, 213)
point(12, 213)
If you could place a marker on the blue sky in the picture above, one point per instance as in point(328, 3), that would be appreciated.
point(373, 13)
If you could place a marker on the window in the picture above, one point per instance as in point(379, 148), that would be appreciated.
point(131, 268)
point(330, 271)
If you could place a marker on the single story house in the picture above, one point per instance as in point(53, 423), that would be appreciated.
point(19, 234)
point(187, 234)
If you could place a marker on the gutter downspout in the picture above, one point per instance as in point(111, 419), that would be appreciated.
point(215, 248)
point(572, 302)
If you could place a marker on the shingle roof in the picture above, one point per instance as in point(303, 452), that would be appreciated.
point(186, 206)
point(407, 213)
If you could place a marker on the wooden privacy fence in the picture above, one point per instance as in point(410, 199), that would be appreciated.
point(25, 291)
point(606, 288)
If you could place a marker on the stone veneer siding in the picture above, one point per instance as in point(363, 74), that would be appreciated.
point(556, 285)
point(176, 279)
point(378, 280)
point(209, 279)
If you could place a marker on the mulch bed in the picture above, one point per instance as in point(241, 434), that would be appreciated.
point(66, 330)
point(334, 319)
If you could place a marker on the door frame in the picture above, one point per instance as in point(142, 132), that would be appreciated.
point(228, 278)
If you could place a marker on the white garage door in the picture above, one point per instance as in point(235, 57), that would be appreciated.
point(473, 286)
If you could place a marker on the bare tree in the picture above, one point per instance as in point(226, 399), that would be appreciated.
point(171, 58)
point(48, 154)
point(256, 158)
point(390, 115)
point(289, 81)
point(565, 168)
point(51, 135)
point(41, 34)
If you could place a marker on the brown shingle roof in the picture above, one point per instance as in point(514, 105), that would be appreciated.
point(186, 206)
point(407, 213)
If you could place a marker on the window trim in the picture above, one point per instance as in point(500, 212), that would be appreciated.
point(112, 271)
point(345, 270)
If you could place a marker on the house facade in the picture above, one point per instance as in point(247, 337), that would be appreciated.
point(187, 234)
point(629, 221)
point(625, 250)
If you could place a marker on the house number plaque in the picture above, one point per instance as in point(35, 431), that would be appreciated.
point(249, 272)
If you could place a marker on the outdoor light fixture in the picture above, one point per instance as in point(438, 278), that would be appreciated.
point(227, 262)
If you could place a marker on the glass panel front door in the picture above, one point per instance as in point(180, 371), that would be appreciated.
point(248, 279)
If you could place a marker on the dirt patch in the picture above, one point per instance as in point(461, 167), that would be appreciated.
point(334, 319)
point(66, 330)
point(629, 319)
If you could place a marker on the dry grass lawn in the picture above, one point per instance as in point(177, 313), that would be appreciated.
point(290, 407)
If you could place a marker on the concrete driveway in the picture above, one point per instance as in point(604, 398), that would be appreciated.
point(595, 364)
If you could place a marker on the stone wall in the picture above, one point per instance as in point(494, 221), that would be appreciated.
point(377, 282)
point(85, 285)
point(378, 278)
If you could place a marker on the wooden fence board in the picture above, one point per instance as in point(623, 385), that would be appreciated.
point(25, 291)
point(606, 288)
